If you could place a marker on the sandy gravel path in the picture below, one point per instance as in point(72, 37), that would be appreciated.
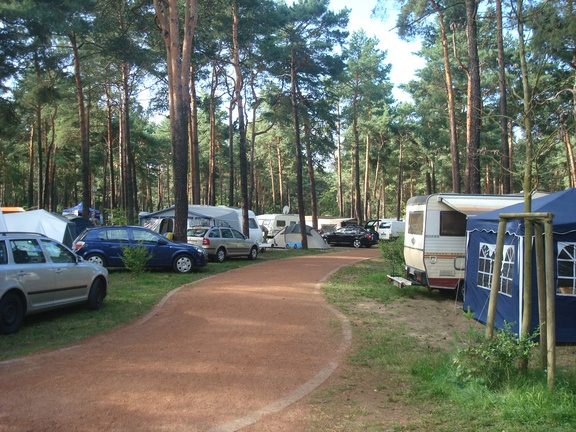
point(230, 352)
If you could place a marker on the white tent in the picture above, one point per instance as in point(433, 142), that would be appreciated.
point(162, 221)
point(52, 225)
point(3, 227)
point(290, 237)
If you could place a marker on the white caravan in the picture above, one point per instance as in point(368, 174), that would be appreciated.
point(276, 222)
point(435, 237)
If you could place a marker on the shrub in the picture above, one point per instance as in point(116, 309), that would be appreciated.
point(393, 254)
point(492, 362)
point(135, 258)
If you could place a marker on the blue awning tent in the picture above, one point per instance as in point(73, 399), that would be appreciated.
point(481, 240)
point(77, 210)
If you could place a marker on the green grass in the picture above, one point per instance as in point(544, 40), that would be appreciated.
point(419, 379)
point(130, 295)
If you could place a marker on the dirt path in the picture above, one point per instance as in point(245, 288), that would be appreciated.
point(227, 352)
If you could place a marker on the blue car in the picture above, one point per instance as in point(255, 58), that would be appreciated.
point(104, 246)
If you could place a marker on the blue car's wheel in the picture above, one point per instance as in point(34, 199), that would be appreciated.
point(96, 259)
point(183, 264)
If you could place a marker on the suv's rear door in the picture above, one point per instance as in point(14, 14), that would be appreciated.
point(71, 279)
point(32, 271)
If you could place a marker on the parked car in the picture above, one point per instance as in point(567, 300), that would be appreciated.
point(351, 235)
point(391, 229)
point(38, 273)
point(104, 246)
point(223, 242)
point(372, 227)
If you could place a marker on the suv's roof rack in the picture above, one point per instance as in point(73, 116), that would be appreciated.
point(5, 233)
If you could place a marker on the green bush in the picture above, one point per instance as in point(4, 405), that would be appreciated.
point(135, 258)
point(492, 362)
point(392, 252)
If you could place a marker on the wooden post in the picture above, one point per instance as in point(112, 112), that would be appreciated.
point(551, 301)
point(541, 275)
point(495, 285)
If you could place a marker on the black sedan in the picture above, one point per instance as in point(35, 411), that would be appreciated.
point(351, 236)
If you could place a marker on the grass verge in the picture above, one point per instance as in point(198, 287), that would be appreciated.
point(394, 382)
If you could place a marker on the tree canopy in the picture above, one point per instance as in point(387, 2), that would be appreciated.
point(263, 105)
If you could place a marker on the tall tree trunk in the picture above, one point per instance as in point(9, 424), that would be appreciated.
point(527, 184)
point(238, 86)
point(84, 137)
point(473, 121)
point(231, 169)
point(283, 200)
point(569, 156)
point(194, 145)
point(178, 57)
point(313, 199)
point(30, 202)
point(399, 185)
point(298, 149)
point(356, 162)
point(366, 177)
point(211, 183)
point(452, 123)
point(272, 181)
point(339, 166)
point(39, 137)
point(129, 178)
point(505, 162)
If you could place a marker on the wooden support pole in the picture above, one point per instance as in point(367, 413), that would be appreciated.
point(541, 278)
point(495, 285)
point(551, 301)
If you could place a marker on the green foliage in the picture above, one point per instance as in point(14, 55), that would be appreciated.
point(492, 362)
point(135, 258)
point(393, 254)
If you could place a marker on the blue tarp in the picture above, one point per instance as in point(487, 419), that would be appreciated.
point(482, 230)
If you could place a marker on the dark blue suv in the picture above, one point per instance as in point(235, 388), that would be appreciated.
point(105, 245)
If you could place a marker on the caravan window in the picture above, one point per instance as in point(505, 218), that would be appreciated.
point(566, 262)
point(416, 222)
point(486, 267)
point(452, 223)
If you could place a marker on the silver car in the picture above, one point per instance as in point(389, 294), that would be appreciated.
point(223, 242)
point(38, 274)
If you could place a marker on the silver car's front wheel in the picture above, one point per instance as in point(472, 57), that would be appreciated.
point(220, 255)
point(183, 264)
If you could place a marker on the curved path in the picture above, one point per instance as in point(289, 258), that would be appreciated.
point(229, 352)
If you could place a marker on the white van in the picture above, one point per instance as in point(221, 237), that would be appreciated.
point(390, 229)
point(276, 222)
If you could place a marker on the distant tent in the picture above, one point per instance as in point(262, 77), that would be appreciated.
point(78, 209)
point(290, 237)
point(481, 236)
point(52, 225)
point(80, 223)
point(162, 221)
